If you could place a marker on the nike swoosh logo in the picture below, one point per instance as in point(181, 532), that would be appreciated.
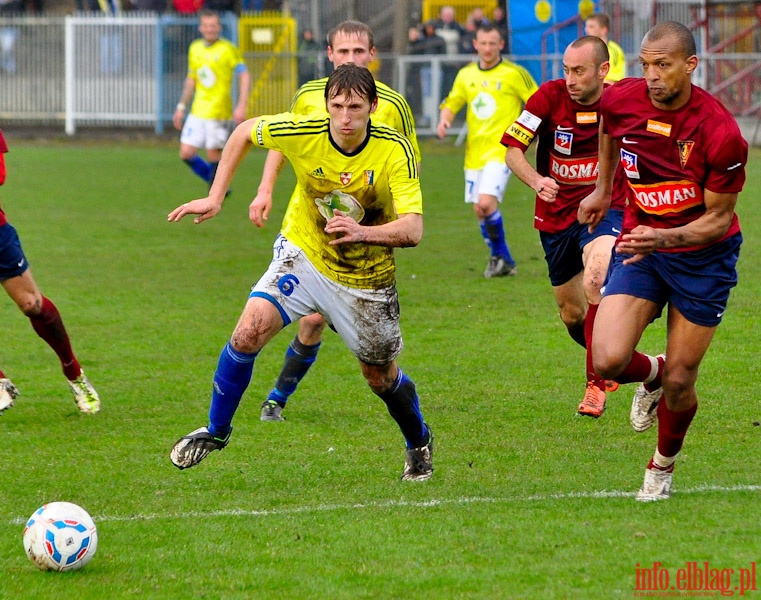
point(614, 230)
point(561, 128)
point(718, 315)
point(734, 166)
point(20, 263)
point(625, 141)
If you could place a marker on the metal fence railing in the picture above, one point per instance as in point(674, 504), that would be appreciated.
point(127, 71)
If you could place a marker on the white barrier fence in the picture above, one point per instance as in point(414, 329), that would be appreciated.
point(127, 71)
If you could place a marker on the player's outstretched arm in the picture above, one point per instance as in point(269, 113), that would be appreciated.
point(446, 116)
point(404, 232)
point(259, 209)
point(188, 87)
point(235, 150)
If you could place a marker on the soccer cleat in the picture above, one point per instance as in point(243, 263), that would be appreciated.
point(593, 404)
point(272, 411)
point(657, 485)
point(418, 465)
point(611, 386)
point(85, 396)
point(644, 405)
point(191, 449)
point(8, 393)
point(499, 267)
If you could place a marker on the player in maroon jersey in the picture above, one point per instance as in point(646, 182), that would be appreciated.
point(562, 116)
point(16, 279)
point(684, 158)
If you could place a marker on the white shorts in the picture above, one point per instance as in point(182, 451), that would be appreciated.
point(205, 133)
point(491, 180)
point(366, 319)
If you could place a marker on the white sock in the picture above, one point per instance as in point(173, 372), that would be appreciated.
point(663, 462)
point(653, 369)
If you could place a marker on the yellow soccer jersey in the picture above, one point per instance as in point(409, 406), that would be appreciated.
point(494, 98)
point(393, 109)
point(617, 62)
point(212, 68)
point(373, 185)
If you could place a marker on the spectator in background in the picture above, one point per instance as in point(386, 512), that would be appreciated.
point(598, 25)
point(9, 35)
point(478, 17)
point(449, 29)
point(187, 7)
point(466, 41)
point(452, 32)
point(424, 41)
point(309, 49)
point(156, 6)
point(499, 20)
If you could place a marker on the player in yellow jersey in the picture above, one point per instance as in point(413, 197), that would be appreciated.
point(494, 91)
point(213, 63)
point(358, 198)
point(598, 25)
point(349, 41)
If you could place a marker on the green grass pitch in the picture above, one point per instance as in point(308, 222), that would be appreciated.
point(527, 500)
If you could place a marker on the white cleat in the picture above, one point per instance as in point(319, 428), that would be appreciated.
point(657, 485)
point(8, 393)
point(644, 405)
point(85, 396)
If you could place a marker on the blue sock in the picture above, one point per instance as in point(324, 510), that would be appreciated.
point(404, 407)
point(231, 379)
point(485, 235)
point(199, 166)
point(213, 166)
point(298, 358)
point(495, 230)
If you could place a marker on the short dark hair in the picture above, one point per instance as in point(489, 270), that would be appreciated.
point(601, 53)
point(350, 79)
point(602, 19)
point(488, 28)
point(357, 28)
point(684, 37)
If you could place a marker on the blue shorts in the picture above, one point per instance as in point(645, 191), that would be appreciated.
point(563, 251)
point(12, 260)
point(696, 283)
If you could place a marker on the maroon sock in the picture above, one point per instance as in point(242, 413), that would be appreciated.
point(49, 326)
point(637, 370)
point(672, 427)
point(589, 324)
point(2, 375)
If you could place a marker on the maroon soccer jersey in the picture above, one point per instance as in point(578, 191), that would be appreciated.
point(567, 150)
point(671, 157)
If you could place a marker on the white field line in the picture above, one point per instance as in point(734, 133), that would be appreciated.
point(462, 501)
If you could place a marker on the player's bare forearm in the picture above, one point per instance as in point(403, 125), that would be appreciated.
point(703, 230)
point(406, 231)
point(545, 187)
point(259, 209)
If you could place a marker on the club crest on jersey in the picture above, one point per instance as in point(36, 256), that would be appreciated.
point(369, 177)
point(345, 177)
point(629, 162)
point(563, 142)
point(685, 149)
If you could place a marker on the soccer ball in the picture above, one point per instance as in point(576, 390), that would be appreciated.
point(60, 536)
